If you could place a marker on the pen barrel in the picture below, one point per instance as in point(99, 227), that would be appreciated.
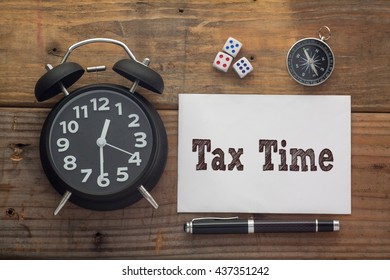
point(295, 226)
point(219, 226)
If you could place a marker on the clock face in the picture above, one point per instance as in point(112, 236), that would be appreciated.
point(99, 143)
point(310, 61)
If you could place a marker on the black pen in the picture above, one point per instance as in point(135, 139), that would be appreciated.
point(235, 225)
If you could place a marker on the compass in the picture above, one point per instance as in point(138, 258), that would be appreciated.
point(310, 61)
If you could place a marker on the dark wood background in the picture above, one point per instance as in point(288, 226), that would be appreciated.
point(182, 38)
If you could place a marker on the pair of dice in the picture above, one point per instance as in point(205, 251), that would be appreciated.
point(223, 59)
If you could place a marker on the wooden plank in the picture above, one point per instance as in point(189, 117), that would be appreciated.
point(182, 39)
point(28, 228)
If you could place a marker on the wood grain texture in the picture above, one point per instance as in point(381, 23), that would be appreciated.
point(29, 229)
point(182, 39)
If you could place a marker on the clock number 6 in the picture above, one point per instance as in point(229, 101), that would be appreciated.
point(103, 181)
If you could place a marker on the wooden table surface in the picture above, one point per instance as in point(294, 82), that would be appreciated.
point(182, 38)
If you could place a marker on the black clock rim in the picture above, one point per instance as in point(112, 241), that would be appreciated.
point(289, 59)
point(129, 195)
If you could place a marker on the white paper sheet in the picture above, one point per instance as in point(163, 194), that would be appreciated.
point(239, 126)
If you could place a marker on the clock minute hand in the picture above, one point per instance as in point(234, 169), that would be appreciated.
point(101, 142)
point(101, 157)
point(119, 149)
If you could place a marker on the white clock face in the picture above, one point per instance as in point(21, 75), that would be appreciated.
point(100, 142)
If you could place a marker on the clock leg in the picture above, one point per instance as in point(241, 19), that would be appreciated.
point(147, 196)
point(63, 201)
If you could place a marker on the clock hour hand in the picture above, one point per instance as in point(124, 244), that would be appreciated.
point(105, 129)
point(101, 141)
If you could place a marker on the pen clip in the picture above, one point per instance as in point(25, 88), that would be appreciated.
point(215, 218)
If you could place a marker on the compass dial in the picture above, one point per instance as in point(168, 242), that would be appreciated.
point(310, 61)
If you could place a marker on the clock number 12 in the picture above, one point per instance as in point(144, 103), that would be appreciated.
point(100, 104)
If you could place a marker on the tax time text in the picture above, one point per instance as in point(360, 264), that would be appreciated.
point(292, 159)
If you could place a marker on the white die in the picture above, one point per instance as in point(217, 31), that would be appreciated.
point(243, 67)
point(222, 61)
point(232, 46)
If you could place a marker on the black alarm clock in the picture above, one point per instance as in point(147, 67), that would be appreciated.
point(103, 146)
point(310, 61)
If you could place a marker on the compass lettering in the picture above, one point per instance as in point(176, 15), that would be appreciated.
point(296, 159)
